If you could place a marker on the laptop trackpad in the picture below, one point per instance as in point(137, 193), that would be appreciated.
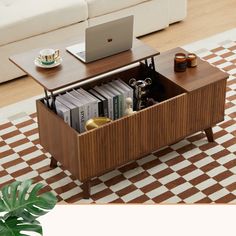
point(77, 49)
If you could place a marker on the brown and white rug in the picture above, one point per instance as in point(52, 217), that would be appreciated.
point(190, 171)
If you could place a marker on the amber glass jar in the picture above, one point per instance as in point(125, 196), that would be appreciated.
point(192, 60)
point(180, 63)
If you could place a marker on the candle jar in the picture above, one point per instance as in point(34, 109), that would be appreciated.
point(180, 63)
point(192, 60)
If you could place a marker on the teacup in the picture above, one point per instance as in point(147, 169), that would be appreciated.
point(48, 56)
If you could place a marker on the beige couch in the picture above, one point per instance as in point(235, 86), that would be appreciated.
point(27, 24)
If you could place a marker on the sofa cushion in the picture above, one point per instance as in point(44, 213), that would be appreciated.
point(20, 19)
point(101, 7)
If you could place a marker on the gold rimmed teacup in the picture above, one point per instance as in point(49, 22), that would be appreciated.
point(96, 123)
point(48, 56)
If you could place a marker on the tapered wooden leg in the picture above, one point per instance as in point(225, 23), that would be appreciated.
point(209, 134)
point(53, 163)
point(86, 189)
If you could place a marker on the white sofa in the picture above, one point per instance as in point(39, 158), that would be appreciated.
point(27, 24)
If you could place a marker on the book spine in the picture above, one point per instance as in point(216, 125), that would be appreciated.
point(82, 118)
point(75, 118)
point(61, 114)
point(88, 104)
point(105, 108)
point(130, 90)
point(67, 117)
point(64, 115)
point(123, 104)
point(95, 107)
point(126, 96)
point(109, 102)
point(120, 106)
point(89, 110)
point(93, 104)
point(122, 96)
point(115, 108)
point(100, 109)
point(99, 102)
point(110, 108)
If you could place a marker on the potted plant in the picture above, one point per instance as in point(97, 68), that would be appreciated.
point(20, 206)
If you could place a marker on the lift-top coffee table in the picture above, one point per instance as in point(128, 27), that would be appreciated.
point(189, 101)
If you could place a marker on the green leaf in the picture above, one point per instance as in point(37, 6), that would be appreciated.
point(17, 200)
point(14, 227)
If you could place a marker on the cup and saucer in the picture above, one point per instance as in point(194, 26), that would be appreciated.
point(48, 58)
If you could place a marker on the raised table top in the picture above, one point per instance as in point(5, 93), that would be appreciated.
point(192, 78)
point(73, 71)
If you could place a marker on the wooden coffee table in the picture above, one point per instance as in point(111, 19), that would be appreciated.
point(190, 101)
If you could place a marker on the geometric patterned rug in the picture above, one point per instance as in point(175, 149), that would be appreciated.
point(190, 171)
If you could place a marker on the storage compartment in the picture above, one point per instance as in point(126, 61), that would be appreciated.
point(94, 152)
point(161, 88)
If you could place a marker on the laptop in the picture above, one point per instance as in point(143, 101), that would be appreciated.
point(104, 40)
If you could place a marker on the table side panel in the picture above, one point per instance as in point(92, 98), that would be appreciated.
point(219, 101)
point(132, 137)
point(58, 138)
point(206, 106)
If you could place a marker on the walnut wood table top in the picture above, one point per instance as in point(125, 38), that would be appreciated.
point(193, 78)
point(73, 71)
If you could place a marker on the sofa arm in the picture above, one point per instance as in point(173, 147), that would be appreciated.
point(177, 10)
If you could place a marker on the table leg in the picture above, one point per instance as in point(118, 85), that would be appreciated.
point(53, 106)
point(153, 64)
point(86, 189)
point(53, 163)
point(47, 98)
point(209, 134)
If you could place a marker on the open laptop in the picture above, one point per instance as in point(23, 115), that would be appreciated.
point(104, 40)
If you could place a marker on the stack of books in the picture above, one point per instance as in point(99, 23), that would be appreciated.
point(107, 100)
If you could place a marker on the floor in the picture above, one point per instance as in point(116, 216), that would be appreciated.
point(205, 18)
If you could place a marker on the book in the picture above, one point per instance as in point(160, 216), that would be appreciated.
point(102, 105)
point(63, 111)
point(127, 88)
point(114, 101)
point(74, 111)
point(85, 104)
point(124, 95)
point(117, 102)
point(80, 106)
point(93, 99)
point(109, 100)
point(88, 102)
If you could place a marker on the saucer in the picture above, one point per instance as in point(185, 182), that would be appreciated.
point(38, 63)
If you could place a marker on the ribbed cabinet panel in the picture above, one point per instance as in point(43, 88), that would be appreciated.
point(200, 109)
point(58, 138)
point(206, 106)
point(132, 137)
point(219, 101)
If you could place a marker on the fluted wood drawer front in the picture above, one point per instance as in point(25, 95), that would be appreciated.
point(206, 106)
point(219, 101)
point(132, 137)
